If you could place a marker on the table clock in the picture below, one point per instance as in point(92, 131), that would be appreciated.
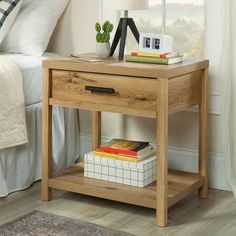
point(155, 43)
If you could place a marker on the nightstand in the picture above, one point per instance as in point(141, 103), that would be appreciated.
point(135, 89)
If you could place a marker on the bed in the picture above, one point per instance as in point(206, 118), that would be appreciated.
point(21, 166)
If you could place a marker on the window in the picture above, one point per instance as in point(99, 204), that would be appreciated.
point(184, 21)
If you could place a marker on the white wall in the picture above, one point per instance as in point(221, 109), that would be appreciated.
point(75, 34)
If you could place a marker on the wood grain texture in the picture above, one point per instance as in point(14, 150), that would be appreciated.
point(131, 92)
point(96, 129)
point(46, 136)
point(137, 89)
point(115, 67)
point(162, 146)
point(203, 134)
point(177, 180)
point(180, 185)
point(106, 108)
point(184, 92)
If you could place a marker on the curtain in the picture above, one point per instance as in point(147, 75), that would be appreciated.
point(220, 49)
point(229, 92)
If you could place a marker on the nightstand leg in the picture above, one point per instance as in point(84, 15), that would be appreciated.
point(162, 155)
point(46, 137)
point(203, 130)
point(96, 129)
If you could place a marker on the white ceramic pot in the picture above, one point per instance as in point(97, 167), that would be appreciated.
point(103, 50)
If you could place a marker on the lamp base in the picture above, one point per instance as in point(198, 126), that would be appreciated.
point(121, 34)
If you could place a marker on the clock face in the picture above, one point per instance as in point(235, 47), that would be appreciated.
point(155, 43)
point(152, 43)
point(146, 42)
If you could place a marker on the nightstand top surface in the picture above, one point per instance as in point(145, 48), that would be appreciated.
point(116, 67)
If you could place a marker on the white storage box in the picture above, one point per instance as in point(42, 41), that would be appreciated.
point(137, 174)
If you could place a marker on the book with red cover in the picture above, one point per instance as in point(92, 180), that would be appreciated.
point(127, 147)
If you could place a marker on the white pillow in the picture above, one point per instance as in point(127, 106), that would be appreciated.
point(33, 27)
point(8, 12)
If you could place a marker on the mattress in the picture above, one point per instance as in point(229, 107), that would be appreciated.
point(31, 68)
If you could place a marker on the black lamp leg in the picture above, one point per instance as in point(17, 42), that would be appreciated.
point(133, 28)
point(121, 34)
point(123, 38)
point(116, 38)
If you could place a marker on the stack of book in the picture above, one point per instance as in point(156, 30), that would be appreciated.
point(123, 162)
point(165, 58)
point(127, 150)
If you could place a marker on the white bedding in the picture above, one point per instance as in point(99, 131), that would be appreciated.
point(31, 68)
point(20, 166)
point(12, 111)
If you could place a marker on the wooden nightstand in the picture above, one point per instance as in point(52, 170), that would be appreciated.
point(134, 89)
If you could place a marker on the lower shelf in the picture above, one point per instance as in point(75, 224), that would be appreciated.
point(180, 185)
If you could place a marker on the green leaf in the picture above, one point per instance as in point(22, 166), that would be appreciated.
point(98, 27)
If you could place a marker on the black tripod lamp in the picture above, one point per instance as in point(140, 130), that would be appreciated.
point(125, 22)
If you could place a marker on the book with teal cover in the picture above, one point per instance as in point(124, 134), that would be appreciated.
point(155, 60)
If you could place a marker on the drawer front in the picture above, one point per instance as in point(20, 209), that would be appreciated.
point(113, 90)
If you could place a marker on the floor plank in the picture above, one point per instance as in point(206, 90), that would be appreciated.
point(192, 216)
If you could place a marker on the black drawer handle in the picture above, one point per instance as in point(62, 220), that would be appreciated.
point(99, 89)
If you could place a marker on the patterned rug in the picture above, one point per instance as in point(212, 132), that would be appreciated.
point(39, 223)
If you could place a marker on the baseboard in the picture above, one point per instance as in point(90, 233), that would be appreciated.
point(182, 159)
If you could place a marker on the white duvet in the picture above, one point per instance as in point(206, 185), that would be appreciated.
point(12, 111)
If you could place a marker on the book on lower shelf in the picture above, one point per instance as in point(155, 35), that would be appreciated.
point(126, 157)
point(126, 147)
point(122, 161)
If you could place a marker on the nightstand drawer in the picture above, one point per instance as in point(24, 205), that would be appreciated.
point(113, 90)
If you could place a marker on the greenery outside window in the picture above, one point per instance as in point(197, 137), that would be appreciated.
point(184, 20)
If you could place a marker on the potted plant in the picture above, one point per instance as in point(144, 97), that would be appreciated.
point(103, 39)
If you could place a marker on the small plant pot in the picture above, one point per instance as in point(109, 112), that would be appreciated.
point(103, 50)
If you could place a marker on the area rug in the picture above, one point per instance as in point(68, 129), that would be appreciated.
point(39, 223)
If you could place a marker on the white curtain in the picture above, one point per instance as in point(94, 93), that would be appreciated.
point(220, 49)
point(229, 91)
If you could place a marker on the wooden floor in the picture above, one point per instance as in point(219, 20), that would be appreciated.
point(214, 216)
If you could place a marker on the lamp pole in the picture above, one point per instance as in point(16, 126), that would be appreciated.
point(163, 16)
